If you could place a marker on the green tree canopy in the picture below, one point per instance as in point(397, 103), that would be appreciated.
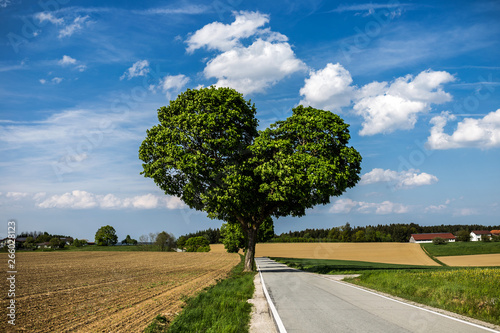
point(197, 244)
point(106, 236)
point(234, 239)
point(206, 150)
point(165, 241)
point(129, 241)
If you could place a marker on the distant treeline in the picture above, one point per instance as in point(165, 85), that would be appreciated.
point(396, 232)
point(381, 233)
point(213, 235)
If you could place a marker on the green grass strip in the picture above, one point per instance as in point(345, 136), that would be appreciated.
point(462, 248)
point(431, 256)
point(222, 308)
point(472, 292)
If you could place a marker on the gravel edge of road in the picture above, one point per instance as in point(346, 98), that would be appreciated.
point(261, 320)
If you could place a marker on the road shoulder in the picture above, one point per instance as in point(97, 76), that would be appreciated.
point(261, 320)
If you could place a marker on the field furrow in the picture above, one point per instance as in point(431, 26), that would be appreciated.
point(108, 291)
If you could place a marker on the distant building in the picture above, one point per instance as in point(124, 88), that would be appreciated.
point(477, 235)
point(427, 238)
point(19, 242)
point(495, 232)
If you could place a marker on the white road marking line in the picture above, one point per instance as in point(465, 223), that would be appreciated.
point(276, 316)
point(413, 306)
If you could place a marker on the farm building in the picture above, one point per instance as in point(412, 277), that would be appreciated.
point(495, 232)
point(477, 235)
point(427, 238)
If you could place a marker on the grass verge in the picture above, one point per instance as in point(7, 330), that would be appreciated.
point(221, 308)
point(471, 292)
point(328, 266)
point(462, 248)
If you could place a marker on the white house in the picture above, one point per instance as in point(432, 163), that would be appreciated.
point(477, 235)
point(427, 238)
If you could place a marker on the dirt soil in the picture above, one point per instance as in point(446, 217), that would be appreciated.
point(106, 291)
point(472, 260)
point(390, 253)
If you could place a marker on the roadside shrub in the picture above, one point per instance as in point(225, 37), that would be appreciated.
point(485, 238)
point(439, 241)
point(197, 244)
point(204, 249)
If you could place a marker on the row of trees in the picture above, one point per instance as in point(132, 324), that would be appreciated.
point(381, 233)
point(234, 239)
point(162, 241)
point(37, 238)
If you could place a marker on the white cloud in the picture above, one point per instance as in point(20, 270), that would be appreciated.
point(147, 201)
point(139, 68)
point(174, 203)
point(86, 200)
point(110, 201)
point(223, 37)
point(4, 3)
point(42, 81)
point(75, 200)
point(403, 179)
point(383, 208)
point(465, 212)
point(370, 7)
point(328, 89)
point(385, 107)
point(57, 80)
point(16, 195)
point(435, 209)
point(344, 206)
point(76, 26)
point(254, 68)
point(189, 10)
point(39, 196)
point(67, 60)
point(481, 133)
point(47, 16)
point(173, 84)
point(390, 107)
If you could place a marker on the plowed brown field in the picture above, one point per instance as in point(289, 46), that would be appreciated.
point(390, 253)
point(477, 260)
point(106, 291)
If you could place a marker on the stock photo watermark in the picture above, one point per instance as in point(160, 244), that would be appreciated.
point(30, 27)
point(11, 272)
point(94, 138)
point(463, 108)
point(372, 29)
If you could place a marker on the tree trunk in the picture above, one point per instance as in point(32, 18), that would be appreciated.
point(250, 255)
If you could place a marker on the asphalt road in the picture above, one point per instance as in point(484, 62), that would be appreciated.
point(307, 302)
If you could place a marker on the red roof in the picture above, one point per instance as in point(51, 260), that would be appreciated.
point(421, 237)
point(495, 232)
point(481, 232)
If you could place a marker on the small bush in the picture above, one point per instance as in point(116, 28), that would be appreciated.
point(439, 241)
point(159, 325)
point(485, 238)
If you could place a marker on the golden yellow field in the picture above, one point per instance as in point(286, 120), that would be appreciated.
point(472, 260)
point(391, 253)
point(106, 291)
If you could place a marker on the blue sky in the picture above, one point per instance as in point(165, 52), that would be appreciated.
point(80, 82)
